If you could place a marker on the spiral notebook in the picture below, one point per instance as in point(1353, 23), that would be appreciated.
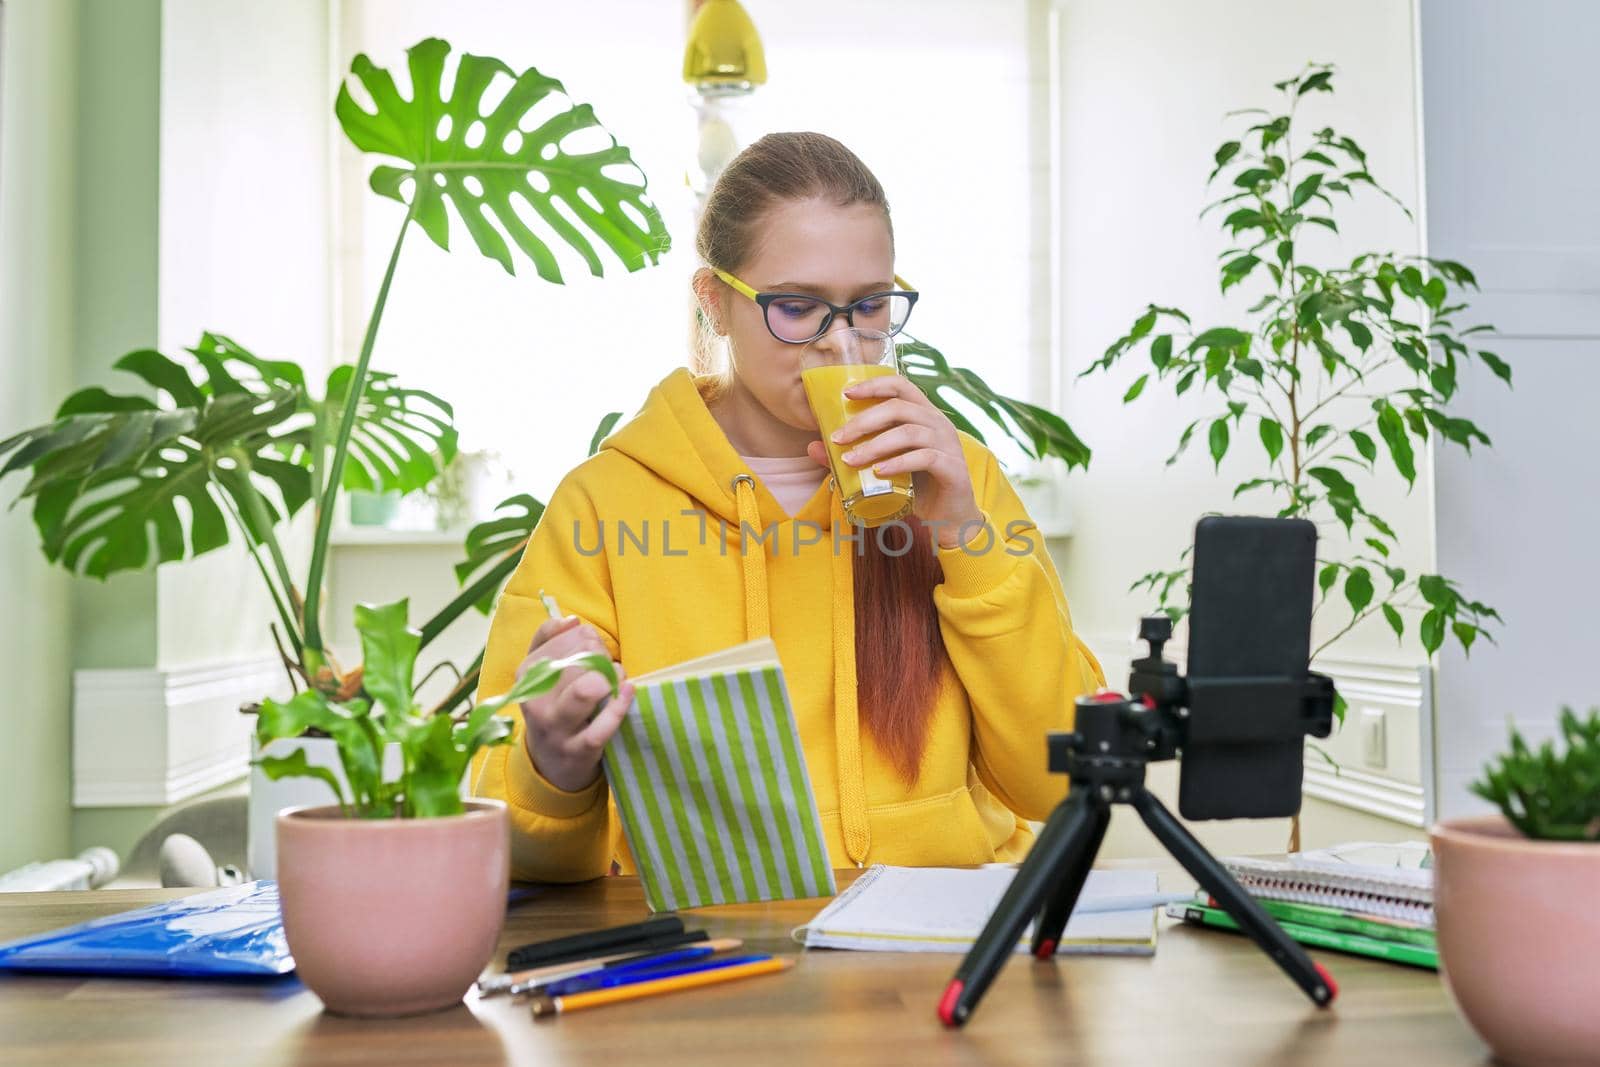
point(1394, 881)
point(711, 783)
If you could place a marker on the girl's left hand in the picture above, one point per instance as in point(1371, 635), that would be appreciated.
point(917, 438)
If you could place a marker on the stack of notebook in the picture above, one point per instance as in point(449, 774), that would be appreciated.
point(1365, 899)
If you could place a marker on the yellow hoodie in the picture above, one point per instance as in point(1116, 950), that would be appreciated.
point(674, 585)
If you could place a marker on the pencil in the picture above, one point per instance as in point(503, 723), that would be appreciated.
point(545, 1007)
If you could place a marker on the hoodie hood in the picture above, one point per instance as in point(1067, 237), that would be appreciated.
point(675, 436)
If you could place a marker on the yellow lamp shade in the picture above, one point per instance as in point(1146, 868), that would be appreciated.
point(724, 48)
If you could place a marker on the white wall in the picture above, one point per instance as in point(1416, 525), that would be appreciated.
point(1513, 146)
point(1144, 88)
point(37, 99)
point(245, 245)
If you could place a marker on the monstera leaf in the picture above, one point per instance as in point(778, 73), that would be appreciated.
point(110, 472)
point(1040, 432)
point(401, 440)
point(506, 162)
point(123, 482)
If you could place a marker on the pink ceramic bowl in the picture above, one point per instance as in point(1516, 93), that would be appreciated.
point(1519, 939)
point(392, 916)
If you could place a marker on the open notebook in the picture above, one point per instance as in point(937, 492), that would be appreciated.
point(943, 909)
point(712, 787)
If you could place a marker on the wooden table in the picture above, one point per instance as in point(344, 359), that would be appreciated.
point(1205, 998)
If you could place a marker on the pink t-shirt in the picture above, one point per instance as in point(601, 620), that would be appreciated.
point(792, 479)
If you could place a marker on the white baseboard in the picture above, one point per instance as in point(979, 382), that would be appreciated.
point(152, 737)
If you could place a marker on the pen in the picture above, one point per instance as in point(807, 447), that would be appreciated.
point(1091, 905)
point(633, 937)
point(551, 608)
point(633, 975)
point(535, 980)
point(543, 1006)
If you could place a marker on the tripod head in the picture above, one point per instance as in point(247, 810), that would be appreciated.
point(1168, 714)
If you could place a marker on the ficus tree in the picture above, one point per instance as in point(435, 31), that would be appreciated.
point(1333, 369)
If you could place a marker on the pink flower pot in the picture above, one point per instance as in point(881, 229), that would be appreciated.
point(392, 916)
point(1519, 939)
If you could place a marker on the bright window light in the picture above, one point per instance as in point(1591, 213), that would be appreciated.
point(935, 95)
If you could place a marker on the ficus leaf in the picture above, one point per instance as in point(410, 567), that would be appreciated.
point(1396, 623)
point(1218, 440)
point(1500, 367)
point(1393, 431)
point(1271, 437)
point(1305, 190)
point(1161, 351)
point(1358, 589)
point(1432, 630)
point(1327, 577)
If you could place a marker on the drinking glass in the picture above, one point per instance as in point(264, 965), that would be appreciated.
point(837, 359)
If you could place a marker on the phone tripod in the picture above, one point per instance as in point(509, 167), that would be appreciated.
point(1106, 756)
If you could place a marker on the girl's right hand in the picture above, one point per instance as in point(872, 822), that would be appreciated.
point(566, 733)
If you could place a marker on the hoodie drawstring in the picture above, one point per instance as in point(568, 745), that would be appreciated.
point(847, 718)
point(757, 617)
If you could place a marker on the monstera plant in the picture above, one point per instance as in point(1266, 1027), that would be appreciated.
point(221, 439)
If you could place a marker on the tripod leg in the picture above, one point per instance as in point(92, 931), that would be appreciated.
point(1058, 906)
point(1214, 879)
point(1060, 839)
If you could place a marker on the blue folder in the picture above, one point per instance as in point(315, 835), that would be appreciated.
point(233, 932)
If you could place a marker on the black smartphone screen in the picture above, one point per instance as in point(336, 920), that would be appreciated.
point(1249, 619)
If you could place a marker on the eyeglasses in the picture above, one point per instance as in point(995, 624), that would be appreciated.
point(798, 318)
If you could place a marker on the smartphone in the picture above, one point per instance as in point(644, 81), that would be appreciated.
point(1249, 622)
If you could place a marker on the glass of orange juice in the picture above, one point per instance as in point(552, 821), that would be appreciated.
point(828, 365)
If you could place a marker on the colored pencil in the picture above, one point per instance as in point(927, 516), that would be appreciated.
point(544, 1007)
point(611, 977)
point(526, 980)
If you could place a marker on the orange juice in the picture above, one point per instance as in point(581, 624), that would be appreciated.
point(869, 500)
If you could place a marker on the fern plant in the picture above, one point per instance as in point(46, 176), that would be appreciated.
point(1550, 795)
point(1334, 367)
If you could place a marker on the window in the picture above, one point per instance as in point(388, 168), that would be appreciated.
point(935, 95)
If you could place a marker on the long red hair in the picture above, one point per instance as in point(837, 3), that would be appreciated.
point(899, 648)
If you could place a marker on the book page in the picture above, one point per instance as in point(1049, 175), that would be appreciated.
point(752, 655)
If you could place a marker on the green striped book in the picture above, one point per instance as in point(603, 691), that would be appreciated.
point(1317, 937)
point(711, 784)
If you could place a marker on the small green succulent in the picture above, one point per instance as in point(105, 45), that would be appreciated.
point(1550, 796)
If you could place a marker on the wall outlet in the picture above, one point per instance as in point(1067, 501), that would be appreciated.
point(1374, 738)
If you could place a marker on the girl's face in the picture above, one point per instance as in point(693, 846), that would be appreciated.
point(803, 246)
